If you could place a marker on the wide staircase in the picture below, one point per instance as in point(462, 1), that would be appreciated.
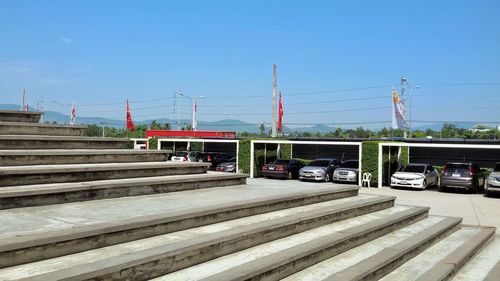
point(80, 208)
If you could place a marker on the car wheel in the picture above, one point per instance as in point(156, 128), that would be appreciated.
point(424, 184)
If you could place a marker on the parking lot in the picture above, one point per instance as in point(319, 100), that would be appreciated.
point(475, 209)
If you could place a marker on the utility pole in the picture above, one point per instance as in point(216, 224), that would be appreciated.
point(24, 94)
point(273, 129)
point(404, 82)
point(178, 107)
point(39, 108)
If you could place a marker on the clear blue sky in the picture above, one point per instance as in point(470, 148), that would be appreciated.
point(100, 52)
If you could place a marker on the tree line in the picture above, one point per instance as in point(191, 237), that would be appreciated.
point(448, 130)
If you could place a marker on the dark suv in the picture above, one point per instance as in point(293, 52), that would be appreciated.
point(462, 175)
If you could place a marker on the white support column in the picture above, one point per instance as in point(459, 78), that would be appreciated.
point(158, 144)
point(291, 151)
point(360, 173)
point(251, 159)
point(237, 156)
point(379, 165)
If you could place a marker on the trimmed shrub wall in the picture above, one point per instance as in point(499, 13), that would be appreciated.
point(369, 160)
point(244, 156)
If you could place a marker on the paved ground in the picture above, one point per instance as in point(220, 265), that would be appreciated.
point(475, 209)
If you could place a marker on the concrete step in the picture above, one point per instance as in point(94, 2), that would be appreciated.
point(485, 266)
point(42, 174)
point(38, 233)
point(47, 194)
point(16, 128)
point(79, 156)
point(60, 142)
point(162, 254)
point(280, 258)
point(376, 258)
point(444, 259)
point(20, 116)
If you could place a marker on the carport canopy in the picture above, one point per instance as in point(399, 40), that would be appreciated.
point(429, 145)
point(292, 142)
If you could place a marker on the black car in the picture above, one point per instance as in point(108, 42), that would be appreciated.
point(466, 175)
point(281, 168)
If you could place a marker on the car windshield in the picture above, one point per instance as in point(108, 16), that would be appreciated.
point(413, 169)
point(181, 154)
point(457, 167)
point(281, 162)
point(497, 168)
point(350, 164)
point(319, 163)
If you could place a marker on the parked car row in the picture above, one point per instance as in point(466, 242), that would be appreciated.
point(455, 175)
point(214, 158)
point(322, 169)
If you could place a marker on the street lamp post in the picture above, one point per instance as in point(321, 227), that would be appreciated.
point(194, 109)
point(411, 93)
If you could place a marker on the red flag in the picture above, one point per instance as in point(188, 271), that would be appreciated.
point(280, 114)
point(130, 123)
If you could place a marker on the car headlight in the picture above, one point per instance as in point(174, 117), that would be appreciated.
point(230, 166)
point(351, 173)
point(320, 172)
point(492, 178)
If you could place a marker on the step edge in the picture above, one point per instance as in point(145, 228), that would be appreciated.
point(40, 189)
point(270, 262)
point(447, 266)
point(25, 241)
point(144, 256)
point(390, 254)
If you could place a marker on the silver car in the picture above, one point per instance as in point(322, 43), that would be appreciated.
point(347, 172)
point(416, 176)
point(493, 182)
point(319, 170)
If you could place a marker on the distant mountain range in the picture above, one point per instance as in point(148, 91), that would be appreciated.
point(221, 125)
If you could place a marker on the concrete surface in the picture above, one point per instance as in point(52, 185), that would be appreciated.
point(58, 193)
point(475, 209)
point(20, 116)
point(351, 258)
point(478, 268)
point(17, 128)
point(79, 156)
point(27, 221)
point(228, 236)
point(60, 142)
point(421, 264)
point(280, 248)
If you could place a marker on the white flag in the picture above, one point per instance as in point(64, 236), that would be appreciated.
point(73, 115)
point(398, 117)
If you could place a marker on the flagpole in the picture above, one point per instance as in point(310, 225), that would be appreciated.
point(273, 129)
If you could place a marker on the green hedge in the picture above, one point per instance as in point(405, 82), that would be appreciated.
point(285, 151)
point(244, 156)
point(369, 160)
point(405, 155)
point(153, 143)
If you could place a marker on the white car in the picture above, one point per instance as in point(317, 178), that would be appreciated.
point(416, 176)
point(185, 156)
